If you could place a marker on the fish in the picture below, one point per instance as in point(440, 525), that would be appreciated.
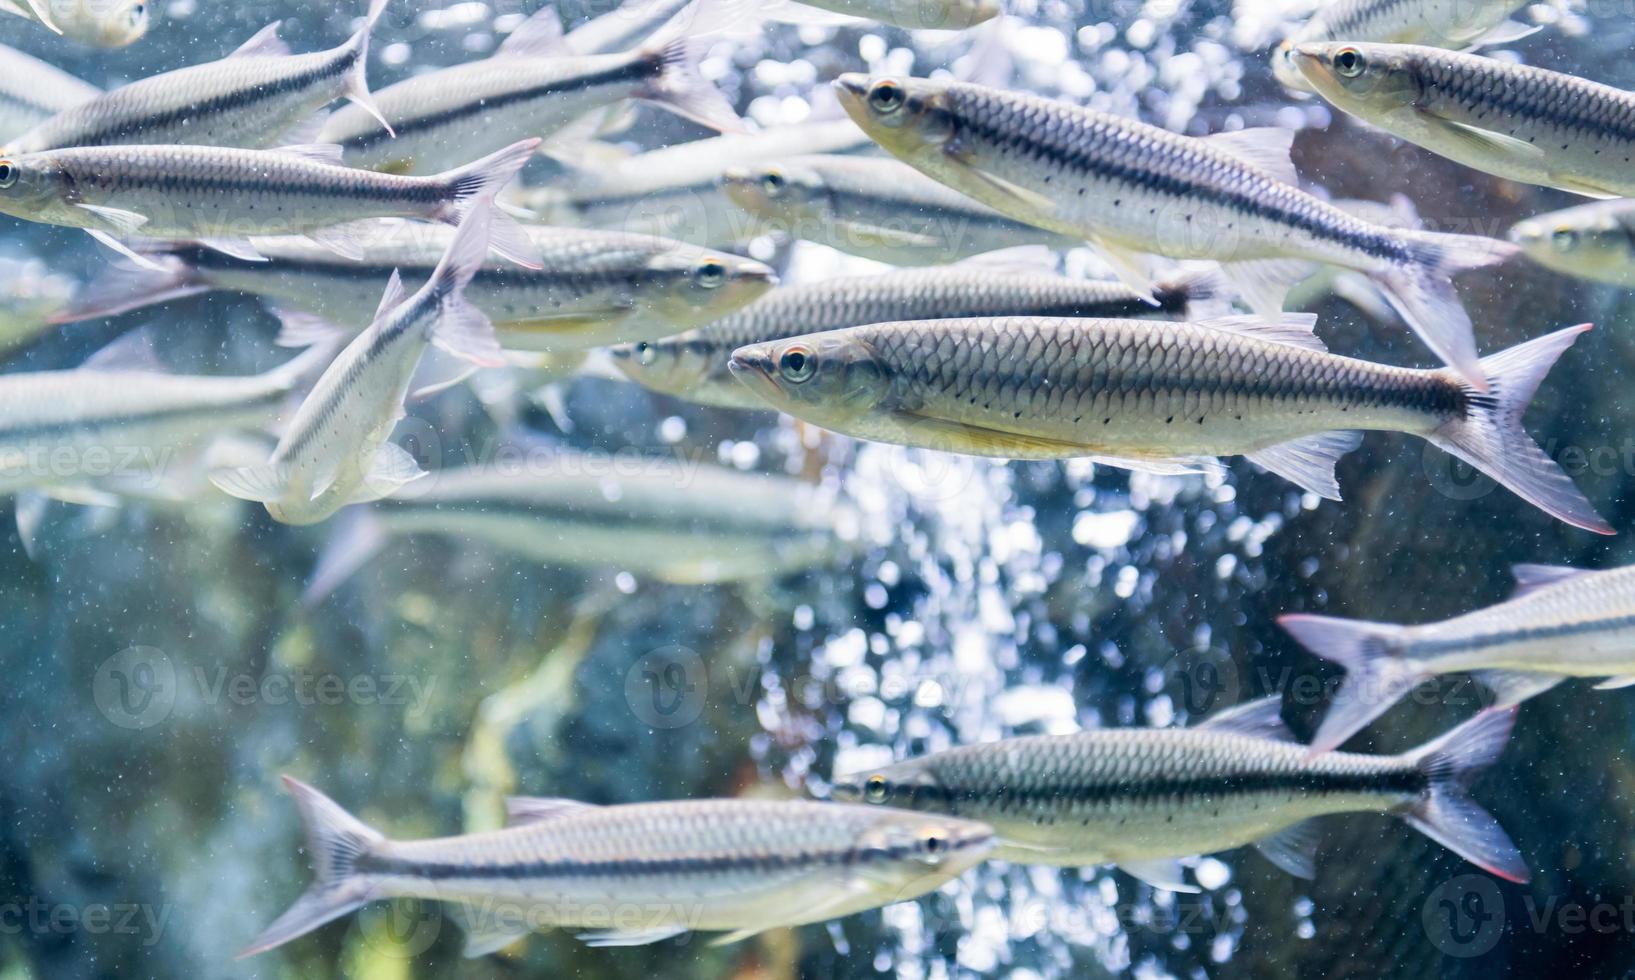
point(98, 23)
point(1131, 189)
point(253, 98)
point(877, 208)
point(593, 287)
point(1434, 23)
point(1160, 396)
point(1560, 623)
point(1592, 241)
point(677, 190)
point(30, 294)
point(114, 423)
point(926, 15)
point(693, 365)
point(531, 86)
point(676, 521)
point(623, 27)
point(1144, 798)
point(1514, 121)
point(336, 451)
point(32, 91)
point(633, 873)
point(222, 196)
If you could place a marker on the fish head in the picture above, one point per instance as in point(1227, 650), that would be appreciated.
point(786, 193)
point(104, 23)
point(1581, 241)
point(908, 116)
point(904, 855)
point(904, 786)
point(696, 285)
point(829, 378)
point(1352, 73)
point(31, 184)
point(674, 365)
point(1287, 71)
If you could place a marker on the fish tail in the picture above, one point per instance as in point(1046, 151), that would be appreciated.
point(1198, 294)
point(481, 180)
point(1490, 437)
point(357, 80)
point(461, 328)
point(1421, 289)
point(357, 537)
point(680, 45)
point(1445, 812)
point(1377, 674)
point(126, 286)
point(335, 839)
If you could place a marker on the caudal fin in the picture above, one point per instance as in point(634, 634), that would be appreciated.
point(1421, 289)
point(335, 839)
point(679, 46)
point(483, 179)
point(358, 536)
point(357, 80)
point(123, 287)
point(1446, 813)
point(462, 329)
point(1197, 294)
point(1490, 436)
point(1377, 675)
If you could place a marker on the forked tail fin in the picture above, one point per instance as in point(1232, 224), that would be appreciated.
point(1490, 436)
point(1445, 812)
point(1421, 289)
point(481, 180)
point(335, 839)
point(1376, 674)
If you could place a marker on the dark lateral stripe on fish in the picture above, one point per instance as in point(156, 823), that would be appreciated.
point(410, 189)
point(1523, 635)
point(49, 430)
point(1379, 246)
point(224, 103)
point(434, 870)
point(575, 513)
point(1551, 101)
point(1201, 789)
point(568, 280)
point(638, 69)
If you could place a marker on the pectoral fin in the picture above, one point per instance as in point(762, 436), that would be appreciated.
point(393, 467)
point(258, 483)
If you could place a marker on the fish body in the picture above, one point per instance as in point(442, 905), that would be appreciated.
point(1142, 798)
point(1157, 395)
point(1133, 189)
point(930, 15)
point(593, 287)
point(99, 23)
point(32, 91)
point(223, 196)
point(1592, 241)
point(636, 873)
point(1435, 23)
point(335, 451)
point(693, 365)
point(251, 98)
point(529, 88)
point(623, 27)
point(1562, 622)
point(677, 190)
point(877, 208)
point(655, 518)
point(1514, 121)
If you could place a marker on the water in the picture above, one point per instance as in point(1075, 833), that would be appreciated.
point(162, 669)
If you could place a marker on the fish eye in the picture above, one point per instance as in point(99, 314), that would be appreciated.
point(1564, 239)
point(8, 173)
point(797, 365)
point(710, 273)
point(875, 789)
point(886, 97)
point(1349, 62)
point(773, 182)
point(139, 12)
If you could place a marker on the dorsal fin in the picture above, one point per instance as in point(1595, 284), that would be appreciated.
point(132, 351)
point(1293, 329)
point(1261, 719)
point(329, 153)
point(540, 34)
point(1531, 578)
point(520, 810)
point(1265, 148)
point(265, 44)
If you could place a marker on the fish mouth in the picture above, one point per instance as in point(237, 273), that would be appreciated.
point(754, 369)
point(851, 87)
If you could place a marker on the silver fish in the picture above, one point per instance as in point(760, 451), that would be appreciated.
point(1561, 623)
point(594, 287)
point(635, 873)
point(677, 190)
point(99, 23)
point(655, 517)
point(929, 15)
point(1592, 241)
point(116, 422)
point(1436, 23)
point(877, 208)
point(1133, 189)
point(1159, 396)
point(32, 91)
point(693, 365)
point(252, 98)
point(530, 87)
point(1143, 798)
point(1513, 121)
point(335, 451)
point(623, 27)
point(221, 196)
